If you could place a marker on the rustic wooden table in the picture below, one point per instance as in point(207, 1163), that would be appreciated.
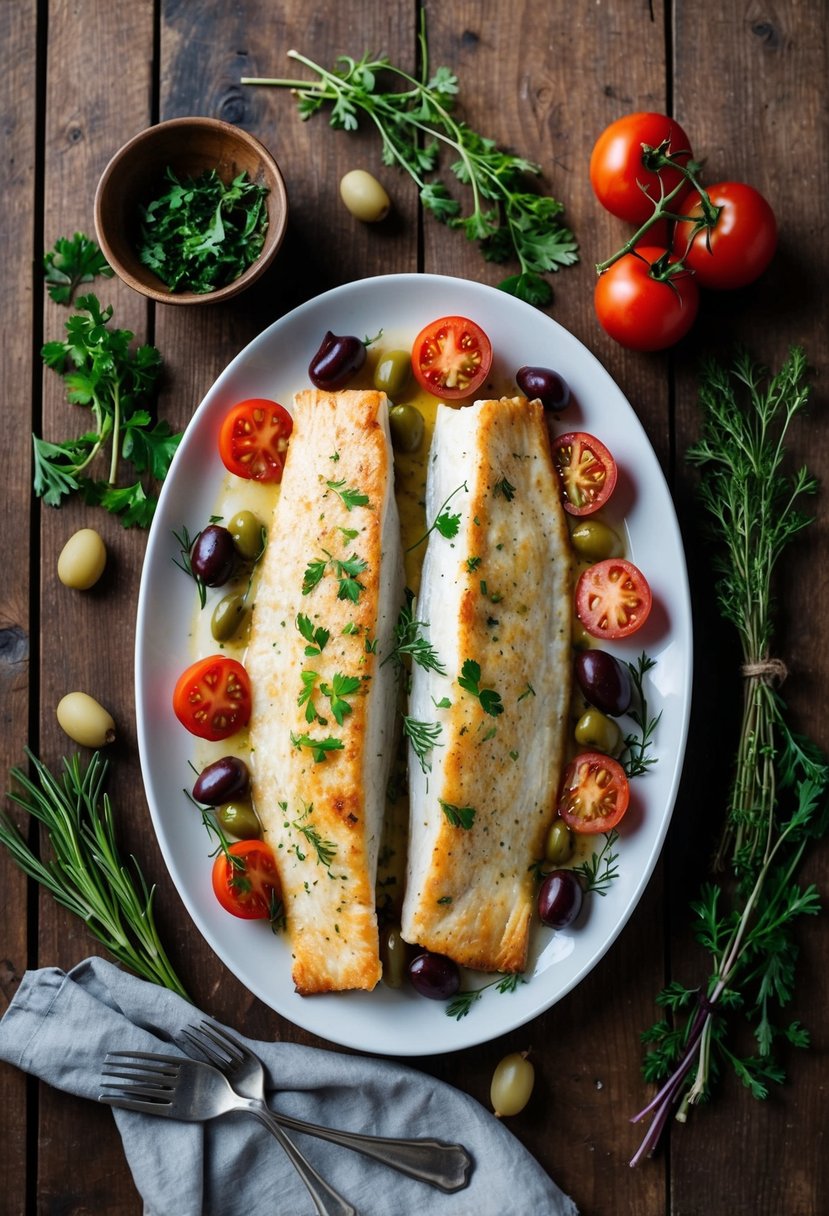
point(748, 83)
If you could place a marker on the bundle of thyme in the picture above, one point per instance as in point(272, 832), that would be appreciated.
point(777, 802)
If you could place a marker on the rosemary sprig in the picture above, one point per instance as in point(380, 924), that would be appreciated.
point(423, 737)
point(636, 758)
point(601, 868)
point(86, 873)
point(461, 1004)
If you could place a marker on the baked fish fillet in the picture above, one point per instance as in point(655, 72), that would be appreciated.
point(323, 703)
point(495, 604)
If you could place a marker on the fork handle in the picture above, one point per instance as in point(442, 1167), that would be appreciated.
point(327, 1201)
point(445, 1166)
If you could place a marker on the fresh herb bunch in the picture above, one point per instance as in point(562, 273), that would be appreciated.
point(777, 802)
point(506, 218)
point(72, 261)
point(200, 234)
point(101, 371)
point(85, 873)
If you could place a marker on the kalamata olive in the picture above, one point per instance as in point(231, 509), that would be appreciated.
point(222, 781)
point(558, 847)
point(406, 425)
point(434, 976)
point(393, 372)
point(395, 955)
point(605, 682)
point(248, 535)
point(594, 540)
point(82, 560)
point(337, 361)
point(213, 555)
point(85, 720)
point(598, 732)
point(228, 616)
point(239, 819)
point(542, 382)
point(512, 1084)
point(364, 196)
point(560, 898)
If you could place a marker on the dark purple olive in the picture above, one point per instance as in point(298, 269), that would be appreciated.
point(542, 382)
point(213, 556)
point(222, 781)
point(605, 682)
point(336, 361)
point(559, 899)
point(435, 976)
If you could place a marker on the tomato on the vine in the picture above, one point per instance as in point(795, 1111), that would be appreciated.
point(246, 881)
point(253, 439)
point(587, 472)
point(740, 245)
point(595, 793)
point(620, 180)
point(212, 698)
point(641, 311)
point(613, 599)
point(451, 357)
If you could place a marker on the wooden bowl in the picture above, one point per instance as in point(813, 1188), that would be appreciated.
point(135, 176)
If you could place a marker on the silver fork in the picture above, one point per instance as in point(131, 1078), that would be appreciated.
point(445, 1166)
point(181, 1088)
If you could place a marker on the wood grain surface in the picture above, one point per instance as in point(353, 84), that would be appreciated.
point(748, 82)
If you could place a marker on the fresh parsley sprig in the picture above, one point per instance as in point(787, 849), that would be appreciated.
point(72, 261)
point(103, 372)
point(447, 523)
point(85, 872)
point(506, 217)
point(458, 816)
point(470, 681)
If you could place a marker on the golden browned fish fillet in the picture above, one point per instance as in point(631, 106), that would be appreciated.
point(323, 704)
point(495, 602)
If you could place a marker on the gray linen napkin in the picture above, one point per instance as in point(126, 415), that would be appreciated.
point(61, 1025)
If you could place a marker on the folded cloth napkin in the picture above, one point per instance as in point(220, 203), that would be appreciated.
point(61, 1025)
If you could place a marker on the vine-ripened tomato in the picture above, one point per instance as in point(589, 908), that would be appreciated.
point(250, 889)
point(741, 243)
point(212, 698)
point(620, 181)
point(595, 793)
point(613, 599)
point(587, 472)
point(451, 357)
point(253, 439)
point(643, 312)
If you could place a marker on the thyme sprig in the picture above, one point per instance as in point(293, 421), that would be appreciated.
point(461, 1004)
point(636, 757)
point(777, 803)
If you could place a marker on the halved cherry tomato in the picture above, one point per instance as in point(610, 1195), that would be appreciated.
point(594, 793)
point(587, 472)
point(451, 357)
point(253, 439)
point(741, 243)
point(212, 698)
point(613, 599)
point(620, 181)
point(249, 886)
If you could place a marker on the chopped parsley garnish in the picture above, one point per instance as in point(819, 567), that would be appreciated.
point(315, 636)
point(351, 497)
point(470, 681)
point(446, 523)
point(458, 816)
point(345, 571)
point(504, 487)
point(309, 680)
point(341, 687)
point(319, 748)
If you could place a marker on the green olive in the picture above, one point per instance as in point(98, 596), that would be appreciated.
point(239, 819)
point(393, 372)
point(227, 618)
point(595, 541)
point(364, 196)
point(82, 560)
point(85, 721)
point(581, 638)
point(248, 534)
point(407, 427)
point(512, 1084)
point(594, 729)
point(394, 955)
point(558, 847)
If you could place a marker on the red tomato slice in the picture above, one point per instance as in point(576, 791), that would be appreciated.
point(248, 887)
point(212, 698)
point(587, 472)
point(594, 793)
point(613, 599)
point(451, 358)
point(253, 439)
